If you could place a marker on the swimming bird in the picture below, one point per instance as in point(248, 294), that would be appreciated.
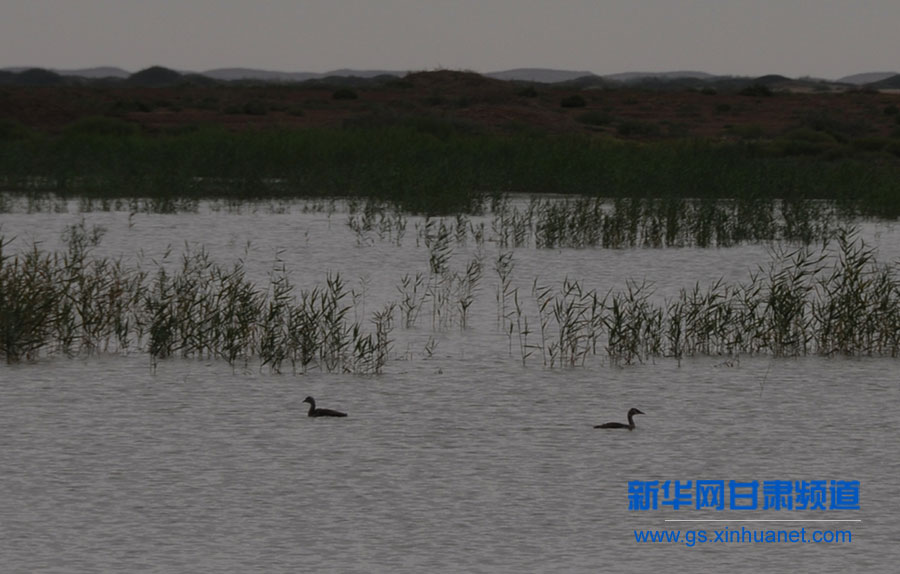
point(629, 426)
point(314, 412)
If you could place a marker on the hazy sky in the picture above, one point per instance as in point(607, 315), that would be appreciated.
point(822, 38)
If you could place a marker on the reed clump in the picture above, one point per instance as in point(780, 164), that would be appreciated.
point(450, 292)
point(77, 304)
point(839, 302)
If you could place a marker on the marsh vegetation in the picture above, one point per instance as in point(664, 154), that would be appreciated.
point(832, 298)
point(436, 166)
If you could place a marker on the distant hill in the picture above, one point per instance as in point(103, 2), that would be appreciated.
point(235, 74)
point(771, 80)
point(346, 72)
point(542, 75)
point(889, 83)
point(96, 73)
point(30, 77)
point(158, 76)
point(90, 73)
point(630, 77)
point(587, 83)
point(866, 78)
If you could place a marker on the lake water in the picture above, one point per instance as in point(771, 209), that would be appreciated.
point(460, 459)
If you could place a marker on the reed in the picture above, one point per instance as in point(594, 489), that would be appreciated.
point(412, 294)
point(451, 292)
point(521, 327)
point(439, 287)
point(668, 222)
point(467, 286)
point(377, 357)
point(839, 301)
point(833, 300)
point(856, 311)
point(77, 304)
point(335, 337)
point(303, 330)
point(29, 300)
point(632, 325)
point(504, 266)
point(567, 222)
point(274, 346)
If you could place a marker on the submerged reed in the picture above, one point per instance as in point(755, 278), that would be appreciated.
point(614, 223)
point(663, 222)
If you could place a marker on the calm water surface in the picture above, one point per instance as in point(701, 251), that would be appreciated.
point(464, 461)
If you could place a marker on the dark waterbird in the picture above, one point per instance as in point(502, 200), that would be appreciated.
point(629, 426)
point(317, 412)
